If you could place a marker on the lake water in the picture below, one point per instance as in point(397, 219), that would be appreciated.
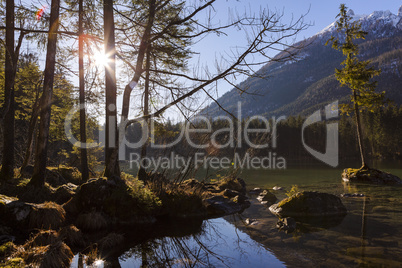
point(370, 235)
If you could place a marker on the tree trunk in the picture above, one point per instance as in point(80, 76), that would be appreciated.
point(142, 175)
point(83, 135)
point(112, 169)
point(7, 169)
point(31, 130)
point(140, 58)
point(38, 177)
point(359, 133)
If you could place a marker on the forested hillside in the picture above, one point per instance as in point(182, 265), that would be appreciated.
point(301, 85)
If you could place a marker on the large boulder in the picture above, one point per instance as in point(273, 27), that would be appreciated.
point(369, 175)
point(25, 216)
point(118, 202)
point(307, 204)
point(92, 195)
point(13, 212)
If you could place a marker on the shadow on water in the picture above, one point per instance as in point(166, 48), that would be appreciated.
point(185, 243)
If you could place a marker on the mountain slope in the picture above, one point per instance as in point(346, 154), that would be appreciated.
point(299, 86)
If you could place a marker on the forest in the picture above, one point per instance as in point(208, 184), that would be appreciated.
point(82, 80)
point(63, 66)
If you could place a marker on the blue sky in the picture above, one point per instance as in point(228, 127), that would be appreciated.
point(323, 12)
point(320, 13)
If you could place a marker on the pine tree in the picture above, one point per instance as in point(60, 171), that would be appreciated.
point(112, 169)
point(38, 177)
point(7, 169)
point(355, 74)
point(83, 136)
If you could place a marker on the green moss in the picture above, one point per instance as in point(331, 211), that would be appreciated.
point(131, 198)
point(350, 171)
point(14, 263)
point(128, 177)
point(294, 190)
point(6, 249)
point(289, 201)
point(361, 171)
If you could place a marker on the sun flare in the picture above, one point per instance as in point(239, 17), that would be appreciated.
point(100, 58)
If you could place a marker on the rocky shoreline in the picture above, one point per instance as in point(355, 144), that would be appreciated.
point(75, 218)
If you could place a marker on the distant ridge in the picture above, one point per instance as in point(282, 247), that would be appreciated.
point(300, 86)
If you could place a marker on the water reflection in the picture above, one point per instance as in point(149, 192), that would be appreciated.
point(216, 243)
point(369, 235)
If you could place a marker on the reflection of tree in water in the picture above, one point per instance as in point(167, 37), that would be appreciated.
point(195, 250)
point(186, 243)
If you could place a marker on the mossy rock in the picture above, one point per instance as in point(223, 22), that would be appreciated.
point(129, 200)
point(369, 175)
point(92, 194)
point(236, 184)
point(307, 204)
point(48, 215)
point(57, 254)
point(122, 201)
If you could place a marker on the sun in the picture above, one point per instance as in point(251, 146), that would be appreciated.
point(100, 58)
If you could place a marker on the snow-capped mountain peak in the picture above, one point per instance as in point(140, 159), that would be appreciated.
point(375, 22)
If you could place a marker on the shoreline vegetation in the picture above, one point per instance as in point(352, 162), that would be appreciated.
point(44, 226)
point(48, 226)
